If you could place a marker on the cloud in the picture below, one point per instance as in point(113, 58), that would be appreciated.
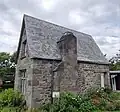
point(100, 18)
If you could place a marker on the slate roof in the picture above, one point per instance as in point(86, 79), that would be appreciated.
point(42, 40)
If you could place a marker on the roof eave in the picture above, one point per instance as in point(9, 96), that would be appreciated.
point(81, 61)
point(20, 38)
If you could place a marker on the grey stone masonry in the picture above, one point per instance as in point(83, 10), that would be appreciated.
point(68, 51)
point(24, 64)
point(90, 75)
point(41, 81)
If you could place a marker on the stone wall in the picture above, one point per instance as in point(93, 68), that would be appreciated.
point(45, 81)
point(90, 75)
point(39, 79)
point(42, 80)
point(86, 75)
point(24, 63)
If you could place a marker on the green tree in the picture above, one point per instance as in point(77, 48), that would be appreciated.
point(7, 63)
point(13, 57)
point(115, 62)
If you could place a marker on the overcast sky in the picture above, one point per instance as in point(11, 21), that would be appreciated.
point(99, 18)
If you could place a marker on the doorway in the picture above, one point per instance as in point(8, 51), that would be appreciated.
point(115, 81)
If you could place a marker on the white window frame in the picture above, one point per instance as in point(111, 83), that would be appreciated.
point(113, 81)
point(23, 81)
point(103, 80)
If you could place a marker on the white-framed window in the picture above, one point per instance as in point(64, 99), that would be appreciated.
point(23, 81)
point(103, 80)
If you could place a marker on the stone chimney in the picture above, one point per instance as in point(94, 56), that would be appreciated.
point(68, 50)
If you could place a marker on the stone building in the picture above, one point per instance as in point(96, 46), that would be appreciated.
point(52, 59)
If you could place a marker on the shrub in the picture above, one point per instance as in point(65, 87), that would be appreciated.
point(94, 100)
point(114, 95)
point(105, 99)
point(70, 103)
point(33, 110)
point(9, 109)
point(108, 90)
point(10, 97)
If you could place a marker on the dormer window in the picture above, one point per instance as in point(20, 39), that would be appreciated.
point(24, 49)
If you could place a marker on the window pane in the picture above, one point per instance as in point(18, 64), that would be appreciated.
point(23, 81)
